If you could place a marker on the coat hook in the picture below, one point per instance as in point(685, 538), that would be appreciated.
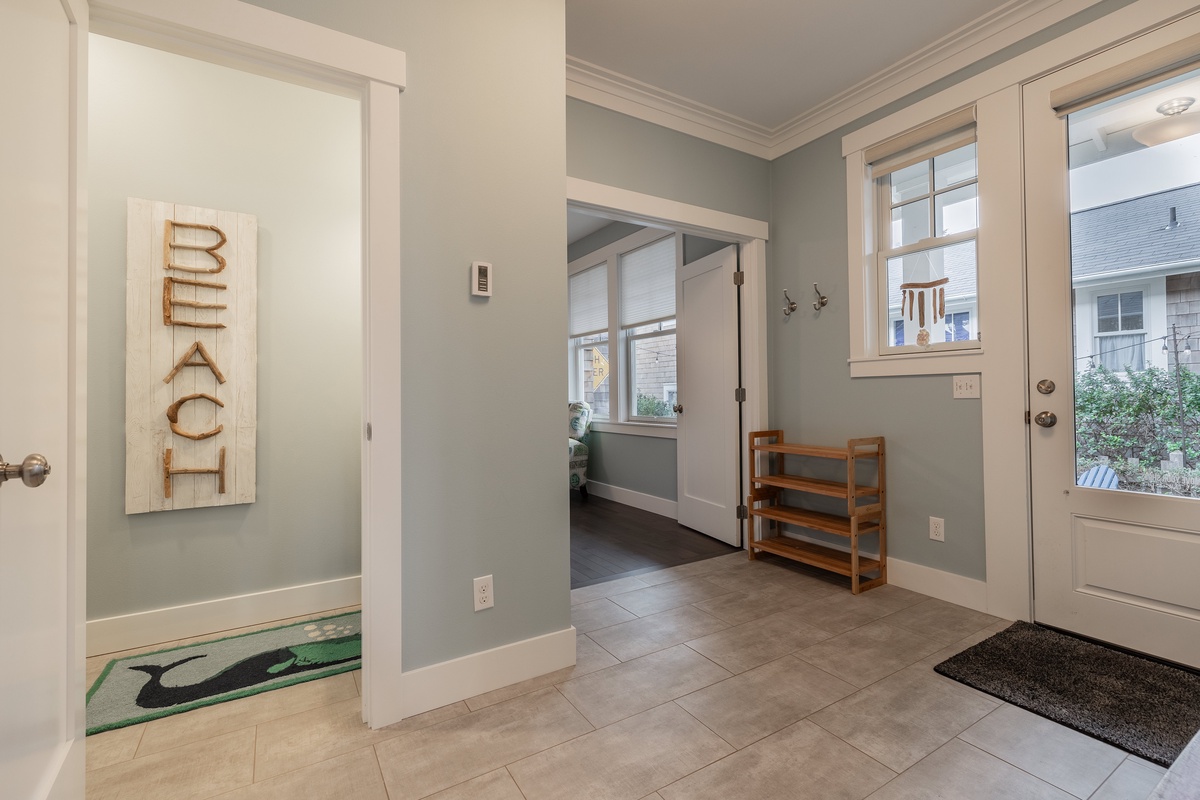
point(822, 300)
point(791, 304)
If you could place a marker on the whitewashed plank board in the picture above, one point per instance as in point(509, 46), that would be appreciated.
point(153, 348)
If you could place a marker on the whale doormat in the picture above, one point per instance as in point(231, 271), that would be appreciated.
point(153, 685)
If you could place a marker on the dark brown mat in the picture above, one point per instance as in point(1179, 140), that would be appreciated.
point(1140, 705)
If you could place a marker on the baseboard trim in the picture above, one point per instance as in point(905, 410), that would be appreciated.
point(438, 685)
point(646, 502)
point(935, 583)
point(938, 584)
point(145, 628)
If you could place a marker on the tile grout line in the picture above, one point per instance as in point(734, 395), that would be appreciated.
point(1006, 761)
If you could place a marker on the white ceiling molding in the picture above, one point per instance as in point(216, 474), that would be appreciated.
point(985, 36)
point(616, 92)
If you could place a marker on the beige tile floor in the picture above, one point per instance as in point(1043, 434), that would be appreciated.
point(720, 679)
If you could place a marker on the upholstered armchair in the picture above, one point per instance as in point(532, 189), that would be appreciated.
point(579, 415)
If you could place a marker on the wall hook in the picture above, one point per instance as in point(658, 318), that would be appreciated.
point(822, 300)
point(791, 304)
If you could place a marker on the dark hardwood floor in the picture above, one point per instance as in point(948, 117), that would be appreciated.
point(610, 540)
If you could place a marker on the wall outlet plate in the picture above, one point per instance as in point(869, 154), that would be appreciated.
point(937, 529)
point(484, 598)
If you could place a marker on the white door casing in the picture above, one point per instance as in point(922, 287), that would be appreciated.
point(1113, 565)
point(243, 36)
point(706, 312)
point(41, 363)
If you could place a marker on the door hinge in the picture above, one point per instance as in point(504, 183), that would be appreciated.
point(368, 431)
point(739, 395)
point(1027, 418)
point(739, 278)
point(743, 512)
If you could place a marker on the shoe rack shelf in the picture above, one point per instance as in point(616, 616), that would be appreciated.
point(785, 466)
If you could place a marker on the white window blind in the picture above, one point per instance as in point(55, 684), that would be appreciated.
point(940, 136)
point(587, 301)
point(648, 283)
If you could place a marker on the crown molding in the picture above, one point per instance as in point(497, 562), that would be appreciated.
point(985, 36)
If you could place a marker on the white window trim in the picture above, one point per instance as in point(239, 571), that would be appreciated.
point(867, 312)
point(1154, 314)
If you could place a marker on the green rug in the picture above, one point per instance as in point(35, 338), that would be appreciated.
point(153, 685)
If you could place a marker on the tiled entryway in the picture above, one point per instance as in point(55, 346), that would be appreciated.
point(718, 679)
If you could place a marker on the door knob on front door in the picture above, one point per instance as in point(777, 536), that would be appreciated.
point(32, 471)
point(1046, 419)
point(677, 408)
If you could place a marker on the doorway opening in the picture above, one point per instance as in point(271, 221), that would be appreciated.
point(641, 439)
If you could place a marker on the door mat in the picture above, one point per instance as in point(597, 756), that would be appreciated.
point(1140, 705)
point(153, 685)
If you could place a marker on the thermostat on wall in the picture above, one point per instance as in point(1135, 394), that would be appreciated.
point(481, 279)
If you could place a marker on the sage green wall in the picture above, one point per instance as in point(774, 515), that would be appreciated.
point(610, 148)
point(164, 127)
point(483, 158)
point(934, 443)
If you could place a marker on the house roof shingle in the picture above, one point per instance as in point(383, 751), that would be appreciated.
point(1134, 233)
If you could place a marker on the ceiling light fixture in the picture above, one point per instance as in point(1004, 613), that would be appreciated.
point(1172, 126)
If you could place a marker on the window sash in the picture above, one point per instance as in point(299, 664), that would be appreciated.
point(647, 283)
point(1118, 350)
point(587, 301)
point(632, 342)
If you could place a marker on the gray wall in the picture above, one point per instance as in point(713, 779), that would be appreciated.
point(934, 443)
point(613, 149)
point(483, 158)
point(612, 232)
point(161, 128)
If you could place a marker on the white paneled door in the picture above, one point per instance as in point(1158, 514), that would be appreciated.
point(41, 701)
point(706, 303)
point(1116, 538)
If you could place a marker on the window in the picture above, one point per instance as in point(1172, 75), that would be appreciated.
point(958, 328)
point(914, 215)
point(1120, 331)
point(622, 354)
point(928, 222)
point(587, 320)
point(647, 313)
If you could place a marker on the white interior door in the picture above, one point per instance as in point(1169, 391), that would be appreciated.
point(706, 309)
point(41, 696)
point(1116, 564)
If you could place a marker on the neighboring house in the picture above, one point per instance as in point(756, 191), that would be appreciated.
point(1136, 268)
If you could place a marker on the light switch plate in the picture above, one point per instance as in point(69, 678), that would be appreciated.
point(966, 386)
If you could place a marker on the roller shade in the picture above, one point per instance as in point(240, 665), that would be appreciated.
point(587, 301)
point(1167, 62)
point(648, 283)
point(932, 139)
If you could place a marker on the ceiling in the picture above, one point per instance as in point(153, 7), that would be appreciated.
point(766, 76)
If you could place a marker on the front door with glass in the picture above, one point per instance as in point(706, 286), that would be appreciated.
point(1113, 221)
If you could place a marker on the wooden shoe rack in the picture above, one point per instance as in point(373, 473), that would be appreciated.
point(865, 505)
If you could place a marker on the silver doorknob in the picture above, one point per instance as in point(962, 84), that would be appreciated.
point(1046, 419)
point(32, 471)
point(677, 408)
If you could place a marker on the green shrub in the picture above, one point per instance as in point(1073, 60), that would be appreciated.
point(1143, 415)
point(651, 406)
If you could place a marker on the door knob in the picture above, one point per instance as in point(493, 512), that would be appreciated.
point(677, 408)
point(1046, 419)
point(32, 471)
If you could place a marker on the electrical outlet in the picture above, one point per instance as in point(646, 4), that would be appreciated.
point(483, 593)
point(937, 529)
point(966, 386)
